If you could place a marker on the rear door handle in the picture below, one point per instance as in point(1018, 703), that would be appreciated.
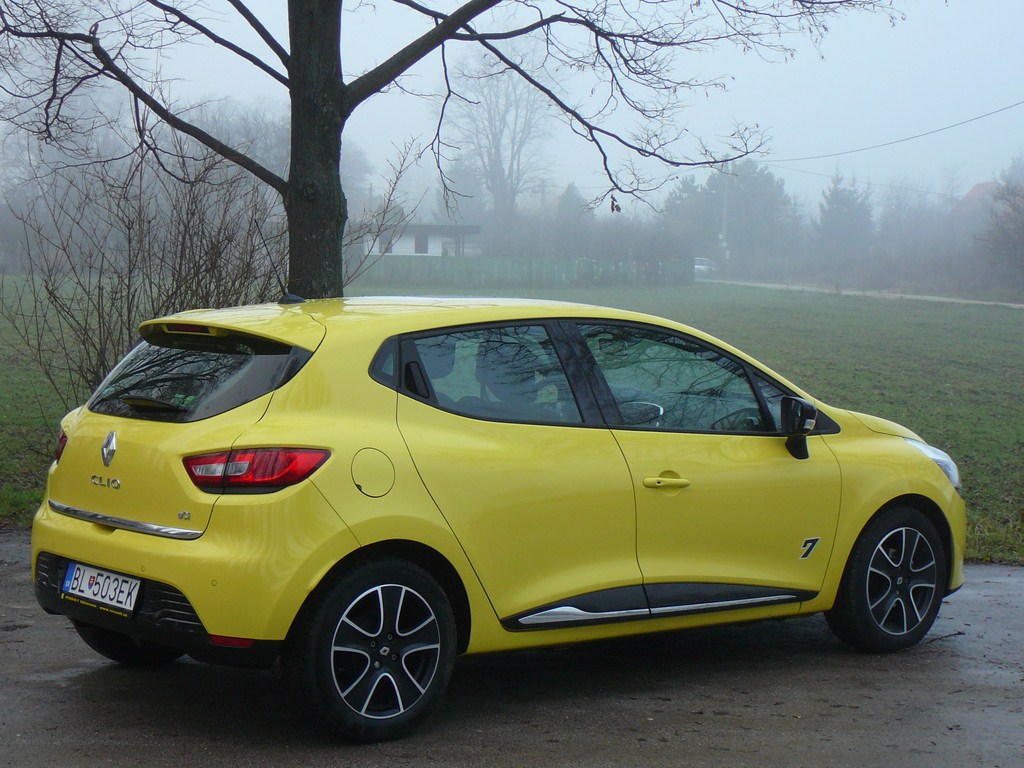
point(666, 482)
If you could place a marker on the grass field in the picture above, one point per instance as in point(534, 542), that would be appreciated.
point(954, 373)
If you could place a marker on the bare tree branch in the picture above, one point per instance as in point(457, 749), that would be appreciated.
point(373, 233)
point(270, 41)
point(217, 39)
point(360, 89)
point(503, 35)
point(230, 153)
point(597, 135)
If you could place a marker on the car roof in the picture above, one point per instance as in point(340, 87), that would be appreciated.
point(303, 324)
point(372, 319)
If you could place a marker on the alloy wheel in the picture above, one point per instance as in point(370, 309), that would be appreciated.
point(902, 581)
point(385, 651)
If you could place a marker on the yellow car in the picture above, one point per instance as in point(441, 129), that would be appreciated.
point(367, 488)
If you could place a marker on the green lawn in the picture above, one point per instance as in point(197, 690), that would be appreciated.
point(28, 429)
point(954, 373)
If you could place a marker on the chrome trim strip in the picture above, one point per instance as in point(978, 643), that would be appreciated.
point(128, 525)
point(567, 613)
point(739, 603)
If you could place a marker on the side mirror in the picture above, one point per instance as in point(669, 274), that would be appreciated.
point(798, 419)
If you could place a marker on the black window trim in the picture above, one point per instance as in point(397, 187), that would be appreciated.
point(376, 369)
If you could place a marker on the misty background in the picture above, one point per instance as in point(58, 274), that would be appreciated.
point(891, 161)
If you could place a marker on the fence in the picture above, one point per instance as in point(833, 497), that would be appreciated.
point(481, 272)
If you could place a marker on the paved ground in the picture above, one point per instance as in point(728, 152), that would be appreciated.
point(774, 694)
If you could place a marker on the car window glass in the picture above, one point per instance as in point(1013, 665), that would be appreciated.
point(506, 374)
point(192, 378)
point(663, 381)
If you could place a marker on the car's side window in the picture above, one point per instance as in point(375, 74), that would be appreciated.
point(663, 381)
point(511, 373)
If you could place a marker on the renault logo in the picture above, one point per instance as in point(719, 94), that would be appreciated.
point(109, 449)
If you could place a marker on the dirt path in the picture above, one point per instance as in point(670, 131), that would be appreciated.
point(870, 294)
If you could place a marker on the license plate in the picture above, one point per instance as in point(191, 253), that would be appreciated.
point(113, 592)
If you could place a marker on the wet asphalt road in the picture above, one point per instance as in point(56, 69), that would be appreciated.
point(773, 694)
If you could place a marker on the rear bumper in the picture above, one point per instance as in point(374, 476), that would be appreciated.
point(228, 596)
point(163, 615)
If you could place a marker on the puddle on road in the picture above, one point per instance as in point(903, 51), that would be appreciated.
point(62, 677)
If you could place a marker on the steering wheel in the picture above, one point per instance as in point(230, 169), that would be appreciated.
point(640, 413)
point(747, 419)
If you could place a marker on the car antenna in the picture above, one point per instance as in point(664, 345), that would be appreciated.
point(289, 298)
point(286, 297)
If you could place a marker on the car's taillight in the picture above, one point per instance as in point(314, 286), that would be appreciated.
point(62, 442)
point(253, 469)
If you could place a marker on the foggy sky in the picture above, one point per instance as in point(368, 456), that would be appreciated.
point(871, 83)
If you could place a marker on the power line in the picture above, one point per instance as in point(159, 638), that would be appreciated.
point(772, 162)
point(901, 141)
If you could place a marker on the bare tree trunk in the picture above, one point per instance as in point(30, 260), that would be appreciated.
point(314, 202)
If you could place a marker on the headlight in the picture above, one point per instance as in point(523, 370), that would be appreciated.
point(946, 464)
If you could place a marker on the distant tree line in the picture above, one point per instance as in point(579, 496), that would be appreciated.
point(889, 237)
point(856, 238)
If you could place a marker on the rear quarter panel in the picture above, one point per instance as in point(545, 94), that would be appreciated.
point(369, 480)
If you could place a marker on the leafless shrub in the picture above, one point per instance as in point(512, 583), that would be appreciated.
point(372, 233)
point(109, 245)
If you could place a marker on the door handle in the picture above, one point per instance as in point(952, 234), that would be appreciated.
point(666, 482)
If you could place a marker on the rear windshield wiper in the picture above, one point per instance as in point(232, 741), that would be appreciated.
point(151, 403)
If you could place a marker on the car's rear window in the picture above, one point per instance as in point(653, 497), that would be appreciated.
point(184, 378)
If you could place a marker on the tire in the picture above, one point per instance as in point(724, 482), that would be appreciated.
point(371, 654)
point(893, 586)
point(125, 650)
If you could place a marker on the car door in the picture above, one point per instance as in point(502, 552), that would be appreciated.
point(726, 516)
point(532, 484)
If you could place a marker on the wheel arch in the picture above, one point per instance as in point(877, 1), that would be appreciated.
point(427, 558)
point(852, 616)
point(933, 512)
